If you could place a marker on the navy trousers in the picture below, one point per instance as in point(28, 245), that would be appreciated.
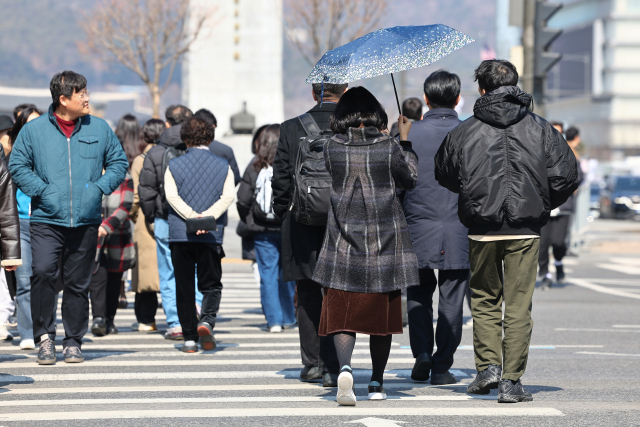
point(452, 288)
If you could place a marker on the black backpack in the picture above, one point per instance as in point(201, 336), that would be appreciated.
point(170, 153)
point(311, 180)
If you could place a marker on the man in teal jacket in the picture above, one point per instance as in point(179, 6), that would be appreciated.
point(58, 160)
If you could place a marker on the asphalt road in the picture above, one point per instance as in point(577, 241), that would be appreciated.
point(584, 365)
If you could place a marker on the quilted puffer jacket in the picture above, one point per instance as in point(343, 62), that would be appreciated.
point(9, 222)
point(509, 166)
point(63, 176)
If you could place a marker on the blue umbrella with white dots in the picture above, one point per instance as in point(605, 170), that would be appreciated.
point(387, 51)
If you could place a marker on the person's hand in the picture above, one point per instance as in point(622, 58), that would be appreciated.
point(199, 232)
point(102, 232)
point(404, 125)
point(11, 268)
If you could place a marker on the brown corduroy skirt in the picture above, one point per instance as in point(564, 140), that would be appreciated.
point(371, 314)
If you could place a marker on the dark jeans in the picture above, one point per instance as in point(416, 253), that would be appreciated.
point(315, 350)
point(554, 234)
point(105, 291)
point(185, 256)
point(77, 249)
point(452, 290)
point(145, 307)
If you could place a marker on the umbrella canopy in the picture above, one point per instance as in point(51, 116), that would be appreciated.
point(387, 51)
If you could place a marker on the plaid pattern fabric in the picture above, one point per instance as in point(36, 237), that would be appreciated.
point(118, 245)
point(367, 247)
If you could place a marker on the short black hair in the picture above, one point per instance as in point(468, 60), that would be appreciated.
point(66, 83)
point(412, 108)
point(152, 130)
point(358, 106)
point(207, 116)
point(494, 73)
point(196, 131)
point(571, 133)
point(442, 89)
point(176, 114)
point(329, 89)
point(559, 124)
point(22, 107)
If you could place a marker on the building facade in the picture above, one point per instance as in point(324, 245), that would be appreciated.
point(596, 85)
point(237, 59)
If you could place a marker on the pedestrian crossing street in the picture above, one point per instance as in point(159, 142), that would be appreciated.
point(250, 379)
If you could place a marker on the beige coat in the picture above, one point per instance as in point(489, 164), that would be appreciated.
point(145, 276)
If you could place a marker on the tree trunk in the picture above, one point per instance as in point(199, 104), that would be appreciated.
point(155, 97)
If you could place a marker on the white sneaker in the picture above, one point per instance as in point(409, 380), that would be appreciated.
point(275, 329)
point(346, 396)
point(143, 327)
point(4, 334)
point(27, 345)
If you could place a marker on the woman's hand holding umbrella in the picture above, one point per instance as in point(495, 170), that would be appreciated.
point(404, 126)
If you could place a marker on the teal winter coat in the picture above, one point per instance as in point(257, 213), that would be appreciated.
point(63, 176)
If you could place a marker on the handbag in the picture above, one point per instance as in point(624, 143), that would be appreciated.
point(207, 223)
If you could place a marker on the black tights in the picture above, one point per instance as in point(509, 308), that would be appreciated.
point(379, 347)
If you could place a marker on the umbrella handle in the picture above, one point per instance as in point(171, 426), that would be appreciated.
point(396, 91)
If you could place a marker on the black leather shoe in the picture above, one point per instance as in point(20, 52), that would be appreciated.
point(72, 355)
point(442, 379)
point(99, 327)
point(513, 392)
point(310, 373)
point(111, 327)
point(329, 380)
point(422, 367)
point(486, 380)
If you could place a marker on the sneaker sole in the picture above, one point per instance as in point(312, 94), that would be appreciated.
point(189, 351)
point(74, 360)
point(206, 338)
point(174, 338)
point(421, 372)
point(377, 396)
point(46, 361)
point(513, 399)
point(346, 396)
point(484, 388)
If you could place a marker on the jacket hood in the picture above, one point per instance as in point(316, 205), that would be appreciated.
point(171, 137)
point(503, 107)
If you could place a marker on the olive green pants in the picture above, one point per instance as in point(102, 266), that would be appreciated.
point(489, 288)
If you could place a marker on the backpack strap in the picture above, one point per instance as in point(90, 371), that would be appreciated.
point(309, 124)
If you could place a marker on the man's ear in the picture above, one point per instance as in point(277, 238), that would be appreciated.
point(482, 91)
point(63, 100)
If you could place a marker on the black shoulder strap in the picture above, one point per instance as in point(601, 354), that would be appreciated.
point(309, 124)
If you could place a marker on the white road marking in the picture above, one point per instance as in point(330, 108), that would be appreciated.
point(626, 269)
point(107, 376)
point(626, 326)
point(257, 399)
point(283, 412)
point(619, 282)
point(604, 289)
point(208, 362)
point(593, 330)
point(607, 354)
point(207, 388)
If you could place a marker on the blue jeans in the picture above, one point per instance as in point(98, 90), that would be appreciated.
point(167, 276)
point(23, 284)
point(276, 295)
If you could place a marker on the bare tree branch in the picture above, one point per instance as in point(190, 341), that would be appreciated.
point(146, 36)
point(317, 26)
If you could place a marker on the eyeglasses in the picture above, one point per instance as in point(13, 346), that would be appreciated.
point(84, 95)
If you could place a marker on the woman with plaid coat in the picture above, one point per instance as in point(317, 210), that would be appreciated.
point(115, 255)
point(367, 257)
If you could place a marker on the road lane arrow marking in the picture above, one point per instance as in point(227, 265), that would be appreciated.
point(376, 422)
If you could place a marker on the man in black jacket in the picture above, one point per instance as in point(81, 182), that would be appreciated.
point(301, 243)
point(155, 207)
point(510, 168)
point(439, 240)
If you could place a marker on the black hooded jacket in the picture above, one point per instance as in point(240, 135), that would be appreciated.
point(509, 166)
point(152, 200)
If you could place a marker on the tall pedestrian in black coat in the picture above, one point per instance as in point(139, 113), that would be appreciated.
point(439, 240)
point(301, 243)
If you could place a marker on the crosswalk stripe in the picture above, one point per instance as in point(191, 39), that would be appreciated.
point(390, 385)
point(106, 376)
point(209, 362)
point(604, 289)
point(174, 344)
point(281, 412)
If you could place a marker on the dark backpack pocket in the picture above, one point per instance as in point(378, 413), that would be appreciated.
point(314, 201)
